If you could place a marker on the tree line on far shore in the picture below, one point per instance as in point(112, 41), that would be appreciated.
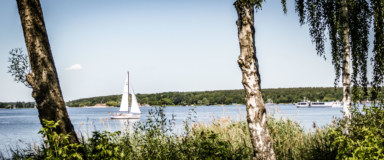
point(17, 104)
point(218, 97)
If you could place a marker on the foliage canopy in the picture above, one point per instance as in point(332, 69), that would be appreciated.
point(19, 66)
point(326, 15)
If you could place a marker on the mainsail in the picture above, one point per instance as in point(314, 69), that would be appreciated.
point(125, 98)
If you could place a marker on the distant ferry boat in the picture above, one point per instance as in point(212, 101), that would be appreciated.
point(303, 104)
point(318, 104)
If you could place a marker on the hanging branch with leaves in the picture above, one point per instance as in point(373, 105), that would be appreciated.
point(355, 17)
point(378, 47)
point(19, 66)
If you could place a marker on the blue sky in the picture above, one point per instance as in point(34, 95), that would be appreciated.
point(168, 45)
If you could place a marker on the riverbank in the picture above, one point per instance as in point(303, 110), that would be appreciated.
point(93, 107)
point(218, 136)
point(154, 139)
point(23, 124)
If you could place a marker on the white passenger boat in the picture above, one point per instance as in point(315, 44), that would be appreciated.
point(307, 104)
point(325, 104)
point(303, 104)
point(337, 104)
point(320, 104)
point(126, 111)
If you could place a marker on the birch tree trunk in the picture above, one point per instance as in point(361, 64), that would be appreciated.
point(346, 70)
point(43, 79)
point(256, 112)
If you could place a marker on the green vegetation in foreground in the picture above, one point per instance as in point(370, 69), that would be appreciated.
point(220, 139)
point(280, 95)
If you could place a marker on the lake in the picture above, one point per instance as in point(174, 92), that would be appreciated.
point(21, 126)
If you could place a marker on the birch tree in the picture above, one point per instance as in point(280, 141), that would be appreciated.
point(348, 23)
point(43, 78)
point(248, 63)
point(377, 7)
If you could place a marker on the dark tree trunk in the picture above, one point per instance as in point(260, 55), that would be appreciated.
point(256, 112)
point(43, 79)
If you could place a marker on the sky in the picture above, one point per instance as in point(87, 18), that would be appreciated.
point(168, 45)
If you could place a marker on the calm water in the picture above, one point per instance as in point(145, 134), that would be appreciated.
point(21, 126)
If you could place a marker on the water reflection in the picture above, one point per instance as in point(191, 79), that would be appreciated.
point(126, 125)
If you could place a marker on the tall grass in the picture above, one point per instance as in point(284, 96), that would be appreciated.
point(290, 141)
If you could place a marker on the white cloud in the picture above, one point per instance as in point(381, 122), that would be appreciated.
point(75, 67)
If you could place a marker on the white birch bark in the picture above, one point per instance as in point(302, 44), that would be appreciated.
point(346, 70)
point(256, 112)
point(346, 64)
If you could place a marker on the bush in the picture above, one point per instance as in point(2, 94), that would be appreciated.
point(366, 135)
point(54, 146)
point(104, 145)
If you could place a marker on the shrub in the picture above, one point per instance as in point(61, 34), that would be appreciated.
point(366, 135)
point(104, 145)
point(56, 146)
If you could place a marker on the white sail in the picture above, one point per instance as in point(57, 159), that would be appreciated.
point(125, 97)
point(134, 104)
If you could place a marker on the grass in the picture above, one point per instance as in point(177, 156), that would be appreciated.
point(290, 141)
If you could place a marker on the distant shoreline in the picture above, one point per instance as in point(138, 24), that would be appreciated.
point(158, 106)
point(277, 96)
point(92, 107)
point(153, 106)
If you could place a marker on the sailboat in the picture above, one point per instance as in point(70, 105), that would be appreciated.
point(126, 111)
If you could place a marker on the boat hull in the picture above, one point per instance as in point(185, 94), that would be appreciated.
point(299, 106)
point(318, 104)
point(126, 116)
point(321, 106)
